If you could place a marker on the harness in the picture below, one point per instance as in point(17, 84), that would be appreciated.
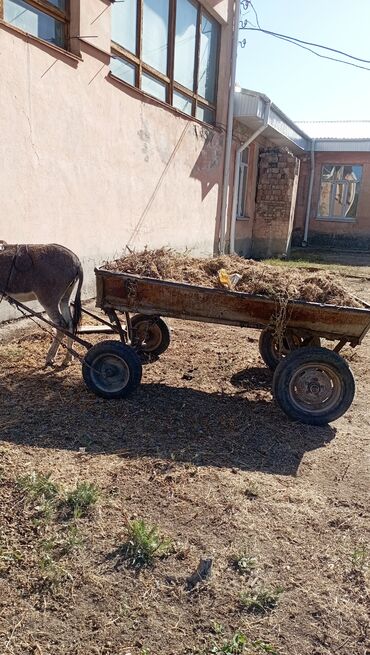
point(12, 265)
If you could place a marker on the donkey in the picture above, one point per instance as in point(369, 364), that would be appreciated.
point(47, 273)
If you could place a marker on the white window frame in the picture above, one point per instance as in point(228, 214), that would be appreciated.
point(241, 211)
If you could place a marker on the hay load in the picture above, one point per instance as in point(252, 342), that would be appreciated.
point(232, 271)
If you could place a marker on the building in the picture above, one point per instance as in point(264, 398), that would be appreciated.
point(113, 118)
point(117, 133)
point(298, 183)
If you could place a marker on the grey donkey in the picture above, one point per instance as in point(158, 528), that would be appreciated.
point(47, 273)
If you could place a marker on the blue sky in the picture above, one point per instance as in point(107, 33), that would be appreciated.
point(302, 85)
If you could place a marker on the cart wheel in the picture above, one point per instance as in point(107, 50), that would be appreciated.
point(313, 385)
point(111, 369)
point(151, 334)
point(269, 347)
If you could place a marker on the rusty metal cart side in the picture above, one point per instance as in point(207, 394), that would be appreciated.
point(311, 384)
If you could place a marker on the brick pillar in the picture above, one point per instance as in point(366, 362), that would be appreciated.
point(275, 202)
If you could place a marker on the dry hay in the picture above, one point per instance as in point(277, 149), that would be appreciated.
point(256, 277)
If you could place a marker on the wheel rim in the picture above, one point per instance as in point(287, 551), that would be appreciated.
point(315, 388)
point(147, 335)
point(110, 373)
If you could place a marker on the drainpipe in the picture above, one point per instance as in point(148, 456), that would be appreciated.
point(229, 129)
point(309, 199)
point(243, 146)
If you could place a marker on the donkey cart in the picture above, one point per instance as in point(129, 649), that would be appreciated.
point(311, 384)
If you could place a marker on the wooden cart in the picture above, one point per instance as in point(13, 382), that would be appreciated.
point(311, 384)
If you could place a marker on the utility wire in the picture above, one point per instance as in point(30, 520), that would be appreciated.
point(341, 61)
point(256, 15)
point(315, 45)
point(299, 42)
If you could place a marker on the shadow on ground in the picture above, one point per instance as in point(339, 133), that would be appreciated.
point(51, 410)
point(253, 378)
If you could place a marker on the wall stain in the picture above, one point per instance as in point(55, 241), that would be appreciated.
point(144, 136)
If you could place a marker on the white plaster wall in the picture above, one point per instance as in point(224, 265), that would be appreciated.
point(94, 165)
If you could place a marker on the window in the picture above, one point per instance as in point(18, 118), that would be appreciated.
point(169, 49)
point(339, 192)
point(46, 19)
point(242, 185)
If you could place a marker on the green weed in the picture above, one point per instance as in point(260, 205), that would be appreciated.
point(244, 564)
point(217, 628)
point(144, 544)
point(235, 646)
point(52, 573)
point(71, 541)
point(360, 559)
point(83, 498)
point(45, 512)
point(38, 486)
point(61, 544)
point(239, 644)
point(263, 647)
point(261, 600)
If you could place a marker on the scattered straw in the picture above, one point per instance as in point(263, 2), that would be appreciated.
point(256, 277)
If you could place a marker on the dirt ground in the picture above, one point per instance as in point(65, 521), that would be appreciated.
point(202, 452)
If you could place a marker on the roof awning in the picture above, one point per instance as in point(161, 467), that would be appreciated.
point(249, 110)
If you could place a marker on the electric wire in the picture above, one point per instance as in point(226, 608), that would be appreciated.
point(300, 42)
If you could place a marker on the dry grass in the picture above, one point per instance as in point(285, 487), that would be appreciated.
point(256, 277)
point(203, 454)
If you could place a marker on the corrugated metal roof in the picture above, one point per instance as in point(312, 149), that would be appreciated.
point(329, 136)
point(338, 130)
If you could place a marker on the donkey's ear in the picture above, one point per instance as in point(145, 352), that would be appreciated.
point(2, 244)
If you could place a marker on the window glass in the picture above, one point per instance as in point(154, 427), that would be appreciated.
point(154, 87)
point(243, 182)
point(245, 156)
point(124, 17)
point(185, 38)
point(60, 4)
point(205, 114)
point(208, 59)
point(182, 102)
point(123, 69)
point(35, 22)
point(339, 191)
point(155, 34)
point(147, 33)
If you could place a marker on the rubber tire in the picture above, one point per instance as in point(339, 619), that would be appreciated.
point(117, 349)
point(287, 368)
point(164, 329)
point(267, 350)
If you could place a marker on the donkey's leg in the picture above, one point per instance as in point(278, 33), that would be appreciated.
point(55, 315)
point(65, 309)
point(53, 350)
